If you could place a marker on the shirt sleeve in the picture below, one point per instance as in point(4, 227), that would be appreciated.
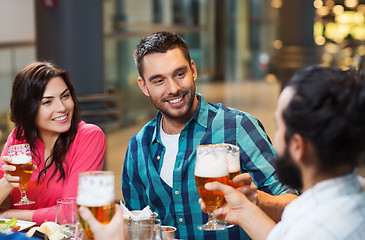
point(258, 156)
point(86, 154)
point(132, 186)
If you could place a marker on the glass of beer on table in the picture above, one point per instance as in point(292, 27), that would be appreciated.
point(211, 166)
point(21, 159)
point(96, 192)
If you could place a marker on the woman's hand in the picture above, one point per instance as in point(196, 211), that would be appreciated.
point(12, 181)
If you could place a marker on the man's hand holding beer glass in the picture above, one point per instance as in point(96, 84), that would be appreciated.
point(235, 207)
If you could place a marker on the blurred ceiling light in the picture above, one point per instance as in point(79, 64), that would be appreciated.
point(277, 44)
point(318, 29)
point(320, 40)
point(338, 9)
point(358, 32)
point(351, 3)
point(323, 11)
point(317, 3)
point(276, 3)
point(329, 3)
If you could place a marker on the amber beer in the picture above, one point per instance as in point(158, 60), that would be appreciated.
point(24, 171)
point(96, 192)
point(102, 213)
point(212, 199)
point(211, 165)
point(21, 159)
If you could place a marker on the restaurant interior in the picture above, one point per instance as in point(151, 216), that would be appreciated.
point(245, 52)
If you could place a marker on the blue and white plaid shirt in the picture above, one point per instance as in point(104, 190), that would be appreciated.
point(178, 206)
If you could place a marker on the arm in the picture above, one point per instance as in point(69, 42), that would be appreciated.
point(87, 153)
point(273, 205)
point(239, 210)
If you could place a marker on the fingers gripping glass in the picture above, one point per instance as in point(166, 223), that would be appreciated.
point(21, 159)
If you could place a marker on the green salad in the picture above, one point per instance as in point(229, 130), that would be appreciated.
point(8, 227)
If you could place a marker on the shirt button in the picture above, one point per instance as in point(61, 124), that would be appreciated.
point(181, 220)
point(158, 157)
point(182, 137)
point(176, 192)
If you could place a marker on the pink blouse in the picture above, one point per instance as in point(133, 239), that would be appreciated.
point(86, 153)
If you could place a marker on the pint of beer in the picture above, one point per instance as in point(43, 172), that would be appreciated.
point(210, 166)
point(21, 159)
point(96, 192)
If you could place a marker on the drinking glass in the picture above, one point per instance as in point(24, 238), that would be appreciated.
point(66, 214)
point(21, 159)
point(233, 160)
point(234, 168)
point(96, 192)
point(211, 166)
point(145, 229)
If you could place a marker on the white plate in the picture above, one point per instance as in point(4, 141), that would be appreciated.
point(23, 224)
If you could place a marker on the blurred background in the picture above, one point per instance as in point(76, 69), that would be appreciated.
point(245, 52)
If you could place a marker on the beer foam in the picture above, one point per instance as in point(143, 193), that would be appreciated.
point(233, 162)
point(210, 165)
point(95, 191)
point(21, 159)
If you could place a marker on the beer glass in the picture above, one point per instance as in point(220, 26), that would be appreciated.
point(21, 158)
point(234, 168)
point(211, 166)
point(96, 192)
point(233, 161)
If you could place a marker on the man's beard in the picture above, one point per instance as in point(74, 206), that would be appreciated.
point(189, 102)
point(288, 172)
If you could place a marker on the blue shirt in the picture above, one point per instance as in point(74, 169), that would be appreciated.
point(178, 206)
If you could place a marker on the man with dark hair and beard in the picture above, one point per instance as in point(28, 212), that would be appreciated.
point(320, 118)
point(159, 165)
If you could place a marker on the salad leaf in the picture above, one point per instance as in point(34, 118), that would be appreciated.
point(9, 224)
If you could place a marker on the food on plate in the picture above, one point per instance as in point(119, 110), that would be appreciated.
point(51, 229)
point(8, 227)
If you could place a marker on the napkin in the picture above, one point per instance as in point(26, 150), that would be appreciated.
point(143, 214)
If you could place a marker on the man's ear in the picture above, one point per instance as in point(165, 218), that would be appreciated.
point(194, 71)
point(142, 86)
point(297, 148)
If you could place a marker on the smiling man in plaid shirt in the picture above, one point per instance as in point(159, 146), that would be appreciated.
point(159, 164)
